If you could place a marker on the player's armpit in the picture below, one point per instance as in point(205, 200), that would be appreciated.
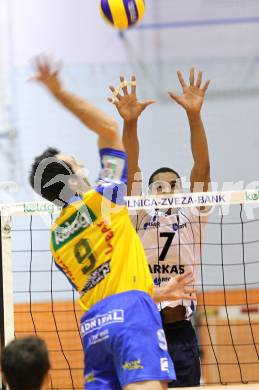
point(110, 139)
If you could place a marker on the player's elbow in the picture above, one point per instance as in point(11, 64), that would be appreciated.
point(110, 137)
point(113, 127)
point(111, 130)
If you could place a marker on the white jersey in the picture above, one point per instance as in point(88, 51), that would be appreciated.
point(172, 242)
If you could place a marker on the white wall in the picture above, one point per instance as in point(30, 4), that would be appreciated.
point(224, 43)
point(74, 30)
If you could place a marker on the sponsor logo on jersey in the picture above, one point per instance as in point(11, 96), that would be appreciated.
point(98, 337)
point(90, 377)
point(113, 316)
point(156, 224)
point(158, 281)
point(164, 364)
point(176, 226)
point(97, 276)
point(73, 226)
point(166, 269)
point(132, 365)
point(108, 233)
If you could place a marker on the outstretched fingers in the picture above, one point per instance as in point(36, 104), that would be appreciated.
point(189, 290)
point(181, 79)
point(175, 97)
point(191, 78)
point(115, 92)
point(133, 85)
point(185, 279)
point(199, 79)
point(113, 100)
point(44, 67)
point(124, 85)
point(206, 86)
point(186, 284)
point(43, 63)
point(36, 64)
point(147, 103)
point(199, 82)
point(188, 297)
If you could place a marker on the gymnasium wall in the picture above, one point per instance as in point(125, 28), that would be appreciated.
point(218, 36)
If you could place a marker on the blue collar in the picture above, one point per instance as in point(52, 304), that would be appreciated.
point(75, 198)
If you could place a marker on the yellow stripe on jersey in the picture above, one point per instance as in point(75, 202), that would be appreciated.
point(118, 12)
point(141, 8)
point(100, 256)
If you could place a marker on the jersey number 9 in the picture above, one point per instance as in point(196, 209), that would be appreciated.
point(83, 253)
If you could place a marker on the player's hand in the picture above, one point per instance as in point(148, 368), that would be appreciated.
point(47, 73)
point(193, 94)
point(180, 287)
point(127, 103)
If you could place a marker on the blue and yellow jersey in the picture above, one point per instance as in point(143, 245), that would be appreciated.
point(94, 242)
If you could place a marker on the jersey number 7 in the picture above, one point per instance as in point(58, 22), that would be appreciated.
point(170, 237)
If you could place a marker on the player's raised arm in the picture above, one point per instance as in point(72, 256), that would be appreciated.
point(130, 108)
point(192, 100)
point(105, 127)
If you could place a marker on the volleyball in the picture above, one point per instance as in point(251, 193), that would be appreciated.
point(122, 14)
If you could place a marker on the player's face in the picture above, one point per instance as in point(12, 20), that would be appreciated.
point(78, 169)
point(166, 183)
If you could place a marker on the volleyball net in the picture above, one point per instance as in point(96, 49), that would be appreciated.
point(37, 299)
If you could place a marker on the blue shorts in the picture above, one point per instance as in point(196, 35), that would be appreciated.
point(124, 343)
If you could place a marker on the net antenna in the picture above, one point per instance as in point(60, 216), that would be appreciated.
point(6, 284)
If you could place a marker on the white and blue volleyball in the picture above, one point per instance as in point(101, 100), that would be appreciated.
point(122, 14)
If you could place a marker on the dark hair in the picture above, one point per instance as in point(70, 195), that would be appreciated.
point(25, 363)
point(162, 170)
point(42, 172)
